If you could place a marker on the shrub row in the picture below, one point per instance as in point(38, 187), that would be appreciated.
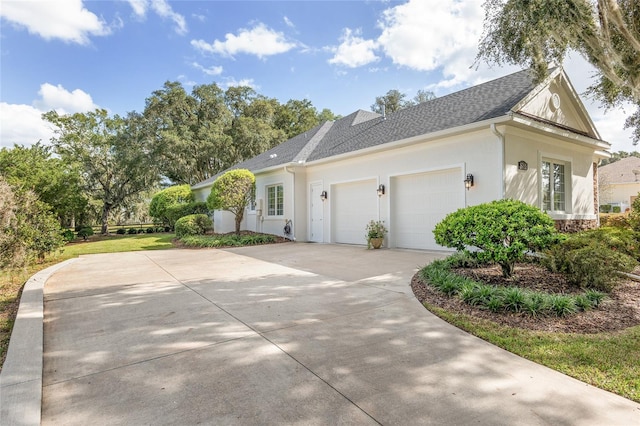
point(149, 230)
point(506, 299)
point(608, 208)
point(230, 240)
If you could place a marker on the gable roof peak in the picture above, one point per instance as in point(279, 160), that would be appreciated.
point(361, 116)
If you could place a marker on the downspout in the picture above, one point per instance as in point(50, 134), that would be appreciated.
point(293, 205)
point(500, 136)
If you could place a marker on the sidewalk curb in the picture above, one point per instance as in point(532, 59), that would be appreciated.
point(21, 376)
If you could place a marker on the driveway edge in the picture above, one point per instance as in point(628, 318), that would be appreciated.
point(21, 376)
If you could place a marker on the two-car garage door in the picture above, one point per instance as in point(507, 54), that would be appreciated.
point(419, 201)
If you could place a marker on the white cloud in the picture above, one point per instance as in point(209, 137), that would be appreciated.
point(354, 51)
point(426, 36)
point(260, 41)
point(610, 123)
point(23, 125)
point(162, 9)
point(67, 20)
point(208, 71)
point(288, 22)
point(63, 101)
point(232, 82)
point(139, 7)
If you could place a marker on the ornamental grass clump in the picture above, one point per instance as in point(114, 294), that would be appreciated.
point(505, 299)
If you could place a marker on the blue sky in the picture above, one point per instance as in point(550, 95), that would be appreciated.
point(74, 55)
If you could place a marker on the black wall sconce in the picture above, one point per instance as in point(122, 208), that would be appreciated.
point(324, 195)
point(380, 190)
point(468, 182)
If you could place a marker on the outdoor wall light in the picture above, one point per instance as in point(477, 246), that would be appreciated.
point(468, 182)
point(380, 190)
point(324, 195)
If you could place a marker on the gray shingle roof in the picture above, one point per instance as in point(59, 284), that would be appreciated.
point(621, 171)
point(365, 129)
point(489, 100)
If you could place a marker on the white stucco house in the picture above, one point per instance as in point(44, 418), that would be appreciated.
point(516, 139)
point(620, 182)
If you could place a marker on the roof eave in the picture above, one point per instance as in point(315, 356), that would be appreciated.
point(547, 127)
point(413, 140)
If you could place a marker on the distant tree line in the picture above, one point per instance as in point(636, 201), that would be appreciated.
point(616, 156)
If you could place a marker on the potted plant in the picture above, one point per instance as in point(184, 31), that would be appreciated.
point(375, 233)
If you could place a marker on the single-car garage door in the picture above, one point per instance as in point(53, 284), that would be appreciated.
point(419, 201)
point(354, 204)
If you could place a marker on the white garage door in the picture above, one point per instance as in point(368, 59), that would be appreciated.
point(354, 204)
point(419, 202)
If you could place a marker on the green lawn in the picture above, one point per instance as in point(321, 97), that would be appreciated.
point(11, 283)
point(610, 361)
point(118, 243)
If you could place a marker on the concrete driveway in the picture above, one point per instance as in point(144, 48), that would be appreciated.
point(283, 334)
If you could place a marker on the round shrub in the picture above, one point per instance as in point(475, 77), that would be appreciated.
point(193, 224)
point(132, 231)
point(68, 235)
point(150, 230)
point(174, 195)
point(85, 232)
point(121, 231)
point(176, 211)
point(503, 231)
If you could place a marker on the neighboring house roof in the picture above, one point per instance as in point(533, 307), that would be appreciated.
point(622, 171)
point(365, 129)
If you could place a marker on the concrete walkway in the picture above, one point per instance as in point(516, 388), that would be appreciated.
point(284, 334)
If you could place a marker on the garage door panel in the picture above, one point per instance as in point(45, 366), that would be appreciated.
point(419, 202)
point(354, 204)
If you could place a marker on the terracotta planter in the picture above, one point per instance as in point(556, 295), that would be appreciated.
point(376, 243)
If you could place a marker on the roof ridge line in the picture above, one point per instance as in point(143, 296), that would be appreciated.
point(313, 143)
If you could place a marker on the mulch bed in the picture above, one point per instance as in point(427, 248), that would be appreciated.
point(179, 244)
point(619, 311)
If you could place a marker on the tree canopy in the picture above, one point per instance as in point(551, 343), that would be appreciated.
point(536, 33)
point(394, 100)
point(28, 229)
point(117, 160)
point(56, 182)
point(202, 133)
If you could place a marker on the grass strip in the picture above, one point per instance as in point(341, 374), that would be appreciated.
point(12, 282)
point(609, 361)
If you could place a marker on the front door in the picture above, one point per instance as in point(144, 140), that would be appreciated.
point(317, 213)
